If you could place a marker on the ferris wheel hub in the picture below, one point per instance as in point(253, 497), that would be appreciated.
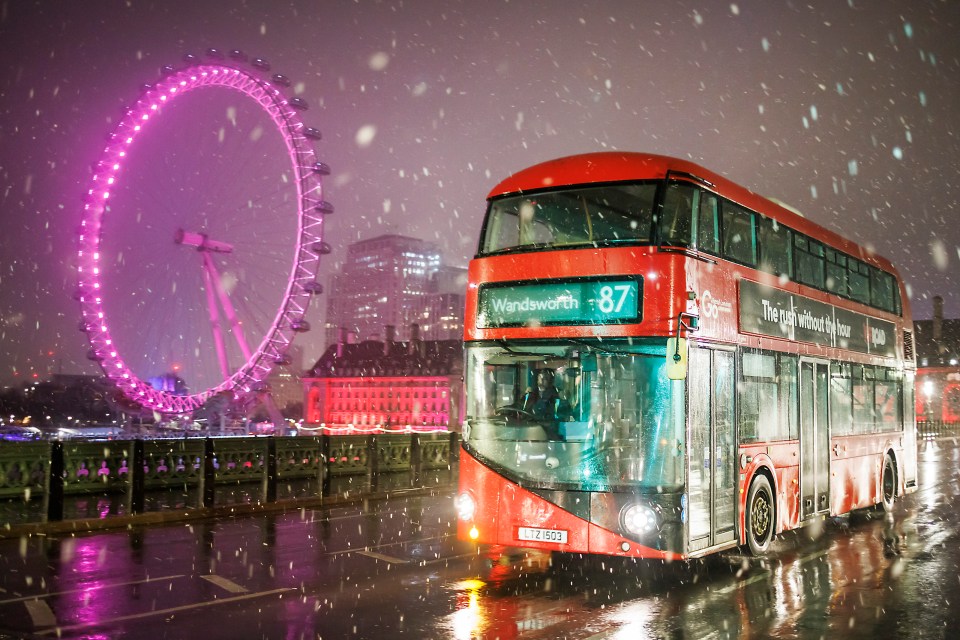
point(201, 241)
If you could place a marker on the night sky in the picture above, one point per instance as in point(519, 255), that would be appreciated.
point(846, 109)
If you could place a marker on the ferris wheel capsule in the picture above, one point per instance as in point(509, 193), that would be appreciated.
point(298, 103)
point(300, 326)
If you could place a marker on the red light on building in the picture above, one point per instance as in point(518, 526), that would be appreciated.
point(377, 387)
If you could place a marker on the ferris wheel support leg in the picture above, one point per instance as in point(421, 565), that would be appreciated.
point(227, 307)
point(211, 281)
point(273, 411)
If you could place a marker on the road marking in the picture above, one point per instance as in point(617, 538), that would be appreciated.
point(163, 612)
point(99, 586)
point(742, 583)
point(424, 563)
point(40, 613)
point(385, 558)
point(398, 543)
point(811, 556)
point(229, 585)
point(937, 538)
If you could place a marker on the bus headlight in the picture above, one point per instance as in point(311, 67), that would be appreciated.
point(639, 519)
point(466, 506)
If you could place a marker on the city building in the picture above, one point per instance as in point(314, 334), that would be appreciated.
point(398, 281)
point(938, 367)
point(385, 386)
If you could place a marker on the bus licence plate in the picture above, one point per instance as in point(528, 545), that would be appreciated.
point(542, 535)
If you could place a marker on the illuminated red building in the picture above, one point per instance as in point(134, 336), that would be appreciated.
point(938, 367)
point(390, 386)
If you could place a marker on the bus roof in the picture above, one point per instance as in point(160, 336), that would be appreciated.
point(620, 166)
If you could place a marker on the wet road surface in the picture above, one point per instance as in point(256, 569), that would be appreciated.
point(394, 569)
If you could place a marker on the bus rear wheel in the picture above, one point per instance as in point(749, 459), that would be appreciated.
point(759, 516)
point(888, 485)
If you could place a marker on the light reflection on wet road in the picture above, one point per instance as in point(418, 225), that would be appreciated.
point(394, 569)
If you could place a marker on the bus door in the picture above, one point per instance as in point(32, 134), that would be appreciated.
point(711, 474)
point(814, 438)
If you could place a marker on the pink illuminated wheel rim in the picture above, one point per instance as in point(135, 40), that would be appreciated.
point(263, 342)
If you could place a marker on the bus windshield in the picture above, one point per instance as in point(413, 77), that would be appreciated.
point(581, 216)
point(579, 415)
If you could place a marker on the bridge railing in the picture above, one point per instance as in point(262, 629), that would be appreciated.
point(321, 466)
point(931, 429)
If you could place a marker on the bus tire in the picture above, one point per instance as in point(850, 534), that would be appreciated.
point(888, 485)
point(760, 515)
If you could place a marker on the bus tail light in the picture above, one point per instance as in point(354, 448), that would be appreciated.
point(466, 506)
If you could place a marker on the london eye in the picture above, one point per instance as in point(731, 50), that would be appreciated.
point(201, 234)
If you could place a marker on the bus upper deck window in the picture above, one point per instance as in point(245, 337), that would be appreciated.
point(527, 229)
point(676, 215)
point(739, 234)
point(708, 223)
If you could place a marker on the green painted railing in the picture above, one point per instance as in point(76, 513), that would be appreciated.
point(927, 429)
point(53, 470)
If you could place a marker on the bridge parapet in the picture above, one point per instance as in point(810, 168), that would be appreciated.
point(109, 467)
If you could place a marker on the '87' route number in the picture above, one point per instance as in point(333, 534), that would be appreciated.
point(613, 297)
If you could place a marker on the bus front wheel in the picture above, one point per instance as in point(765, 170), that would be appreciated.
point(759, 516)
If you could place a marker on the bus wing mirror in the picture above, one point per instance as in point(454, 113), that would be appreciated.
point(676, 358)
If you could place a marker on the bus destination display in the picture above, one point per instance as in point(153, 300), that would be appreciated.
point(560, 302)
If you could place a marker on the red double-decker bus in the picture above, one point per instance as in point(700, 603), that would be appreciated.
point(660, 363)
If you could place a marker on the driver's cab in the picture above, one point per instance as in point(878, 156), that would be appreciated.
point(541, 398)
point(613, 415)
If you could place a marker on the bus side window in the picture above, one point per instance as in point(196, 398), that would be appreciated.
point(881, 289)
point(775, 254)
point(758, 400)
point(708, 223)
point(841, 399)
point(768, 396)
point(789, 395)
point(858, 281)
point(836, 273)
point(676, 216)
point(739, 234)
point(810, 263)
